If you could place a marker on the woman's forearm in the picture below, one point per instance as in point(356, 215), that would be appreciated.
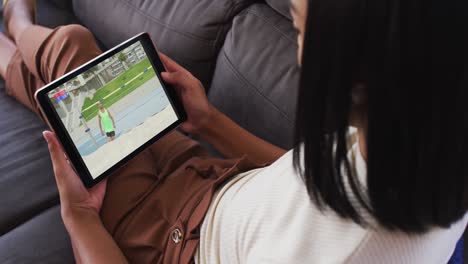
point(91, 241)
point(233, 141)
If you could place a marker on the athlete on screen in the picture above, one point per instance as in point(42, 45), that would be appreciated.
point(106, 122)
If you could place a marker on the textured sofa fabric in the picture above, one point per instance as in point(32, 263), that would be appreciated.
point(256, 76)
point(63, 5)
point(31, 229)
point(52, 13)
point(25, 172)
point(281, 6)
point(42, 239)
point(190, 31)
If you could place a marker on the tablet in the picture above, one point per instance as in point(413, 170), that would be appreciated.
point(111, 108)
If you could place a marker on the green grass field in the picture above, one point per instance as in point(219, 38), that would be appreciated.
point(115, 85)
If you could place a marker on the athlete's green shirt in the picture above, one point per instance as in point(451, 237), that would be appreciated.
point(106, 121)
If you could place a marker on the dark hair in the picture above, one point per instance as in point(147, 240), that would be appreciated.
point(411, 56)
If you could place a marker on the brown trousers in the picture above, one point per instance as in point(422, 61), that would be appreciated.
point(155, 204)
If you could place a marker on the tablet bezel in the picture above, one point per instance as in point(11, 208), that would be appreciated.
point(57, 126)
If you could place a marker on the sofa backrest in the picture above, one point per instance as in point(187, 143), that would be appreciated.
point(256, 77)
point(281, 6)
point(190, 31)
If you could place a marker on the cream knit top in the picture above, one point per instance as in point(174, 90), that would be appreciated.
point(266, 216)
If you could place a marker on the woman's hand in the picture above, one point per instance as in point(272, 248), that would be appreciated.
point(204, 120)
point(75, 199)
point(191, 92)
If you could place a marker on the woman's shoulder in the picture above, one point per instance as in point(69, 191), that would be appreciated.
point(274, 201)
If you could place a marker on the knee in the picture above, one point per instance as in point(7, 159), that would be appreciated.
point(75, 34)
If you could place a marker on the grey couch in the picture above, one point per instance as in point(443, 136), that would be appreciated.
point(244, 51)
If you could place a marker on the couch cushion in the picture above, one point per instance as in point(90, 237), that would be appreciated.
point(255, 82)
point(27, 184)
point(281, 6)
point(40, 240)
point(190, 31)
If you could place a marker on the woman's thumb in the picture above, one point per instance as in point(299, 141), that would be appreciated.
point(47, 135)
point(56, 154)
point(62, 168)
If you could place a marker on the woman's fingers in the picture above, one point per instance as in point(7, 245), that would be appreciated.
point(179, 80)
point(62, 170)
point(56, 154)
point(170, 64)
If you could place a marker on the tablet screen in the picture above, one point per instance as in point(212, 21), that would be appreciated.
point(113, 108)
